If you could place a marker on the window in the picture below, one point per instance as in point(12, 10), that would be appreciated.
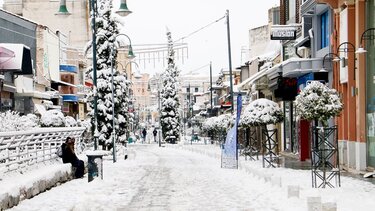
point(196, 89)
point(324, 31)
point(188, 89)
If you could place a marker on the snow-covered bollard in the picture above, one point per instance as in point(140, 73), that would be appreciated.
point(293, 191)
point(329, 206)
point(276, 181)
point(314, 203)
point(95, 164)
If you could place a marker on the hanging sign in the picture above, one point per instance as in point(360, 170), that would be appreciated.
point(283, 34)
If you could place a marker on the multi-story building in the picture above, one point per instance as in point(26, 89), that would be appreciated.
point(62, 17)
point(25, 87)
point(141, 93)
point(314, 34)
point(352, 28)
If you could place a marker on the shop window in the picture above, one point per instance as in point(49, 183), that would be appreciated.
point(324, 31)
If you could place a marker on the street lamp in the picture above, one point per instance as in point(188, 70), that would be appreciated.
point(93, 13)
point(130, 56)
point(334, 59)
point(365, 36)
point(346, 47)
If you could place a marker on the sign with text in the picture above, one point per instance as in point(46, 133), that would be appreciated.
point(283, 34)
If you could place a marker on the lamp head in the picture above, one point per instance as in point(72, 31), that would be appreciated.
point(360, 50)
point(123, 10)
point(323, 70)
point(137, 75)
point(336, 59)
point(130, 53)
point(62, 9)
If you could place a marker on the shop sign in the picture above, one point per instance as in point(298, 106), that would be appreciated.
point(283, 34)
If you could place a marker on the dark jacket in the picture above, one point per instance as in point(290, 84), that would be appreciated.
point(155, 132)
point(68, 156)
point(144, 132)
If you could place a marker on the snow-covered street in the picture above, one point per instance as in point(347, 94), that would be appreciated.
point(156, 178)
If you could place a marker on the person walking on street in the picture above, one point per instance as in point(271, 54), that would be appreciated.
point(155, 132)
point(144, 133)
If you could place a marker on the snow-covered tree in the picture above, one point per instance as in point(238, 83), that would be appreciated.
point(261, 112)
point(318, 102)
point(170, 118)
point(107, 28)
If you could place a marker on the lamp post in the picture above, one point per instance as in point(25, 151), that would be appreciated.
point(130, 56)
point(93, 13)
point(369, 34)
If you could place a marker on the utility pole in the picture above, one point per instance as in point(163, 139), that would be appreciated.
point(211, 87)
point(230, 63)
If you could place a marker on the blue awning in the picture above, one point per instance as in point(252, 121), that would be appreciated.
point(70, 98)
point(68, 68)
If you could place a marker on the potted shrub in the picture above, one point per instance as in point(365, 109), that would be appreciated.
point(262, 112)
point(317, 102)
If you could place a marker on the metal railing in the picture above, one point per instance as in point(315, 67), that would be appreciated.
point(19, 149)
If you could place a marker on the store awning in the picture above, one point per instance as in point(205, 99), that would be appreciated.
point(302, 42)
point(70, 98)
point(6, 53)
point(63, 83)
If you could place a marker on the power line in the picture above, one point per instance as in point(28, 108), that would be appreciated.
point(200, 29)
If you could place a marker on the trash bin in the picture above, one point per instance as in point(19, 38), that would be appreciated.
point(130, 140)
point(95, 164)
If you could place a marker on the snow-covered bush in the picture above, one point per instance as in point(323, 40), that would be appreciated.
point(12, 121)
point(70, 122)
point(261, 112)
point(223, 122)
point(52, 118)
point(318, 102)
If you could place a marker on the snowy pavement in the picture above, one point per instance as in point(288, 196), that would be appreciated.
point(184, 177)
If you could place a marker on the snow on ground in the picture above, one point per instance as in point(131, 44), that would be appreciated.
point(189, 177)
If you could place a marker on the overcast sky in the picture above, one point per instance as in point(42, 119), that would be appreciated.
point(149, 20)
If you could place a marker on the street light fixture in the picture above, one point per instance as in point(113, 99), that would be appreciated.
point(364, 36)
point(62, 8)
point(123, 10)
point(346, 47)
point(334, 59)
